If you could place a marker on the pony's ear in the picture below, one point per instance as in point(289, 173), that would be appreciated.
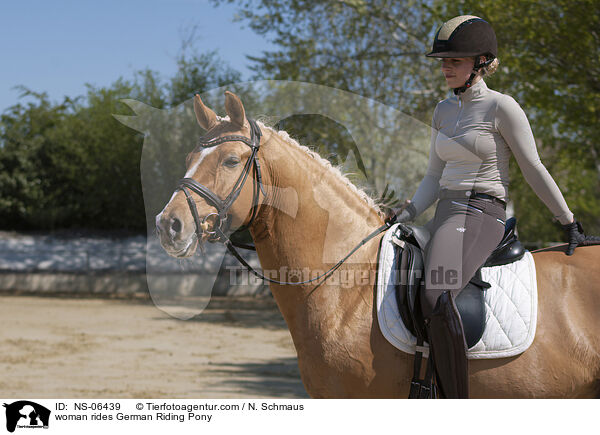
point(205, 116)
point(235, 109)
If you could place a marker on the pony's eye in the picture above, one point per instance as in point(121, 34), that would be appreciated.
point(231, 162)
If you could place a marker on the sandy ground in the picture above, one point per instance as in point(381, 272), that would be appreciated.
point(100, 348)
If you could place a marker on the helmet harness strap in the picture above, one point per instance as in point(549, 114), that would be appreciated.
point(478, 65)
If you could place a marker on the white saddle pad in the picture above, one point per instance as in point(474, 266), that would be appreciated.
point(510, 305)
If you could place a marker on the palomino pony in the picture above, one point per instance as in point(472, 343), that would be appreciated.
point(341, 351)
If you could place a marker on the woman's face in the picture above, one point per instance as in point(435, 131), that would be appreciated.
point(457, 70)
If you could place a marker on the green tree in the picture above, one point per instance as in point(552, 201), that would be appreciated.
point(549, 56)
point(198, 72)
point(549, 53)
point(25, 131)
point(61, 164)
point(72, 164)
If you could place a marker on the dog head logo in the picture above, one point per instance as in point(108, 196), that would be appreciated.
point(25, 413)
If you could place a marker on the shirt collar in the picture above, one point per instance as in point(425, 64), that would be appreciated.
point(474, 91)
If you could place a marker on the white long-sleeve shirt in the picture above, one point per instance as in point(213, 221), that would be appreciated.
point(472, 137)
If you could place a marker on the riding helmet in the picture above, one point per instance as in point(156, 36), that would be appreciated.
point(465, 36)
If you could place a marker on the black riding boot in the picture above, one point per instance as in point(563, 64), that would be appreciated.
point(449, 348)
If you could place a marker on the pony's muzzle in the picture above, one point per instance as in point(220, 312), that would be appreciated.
point(169, 226)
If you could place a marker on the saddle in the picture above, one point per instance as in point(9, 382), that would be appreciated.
point(470, 301)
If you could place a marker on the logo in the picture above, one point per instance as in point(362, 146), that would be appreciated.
point(26, 414)
point(461, 229)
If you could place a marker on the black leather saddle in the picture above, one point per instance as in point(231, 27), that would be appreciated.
point(470, 302)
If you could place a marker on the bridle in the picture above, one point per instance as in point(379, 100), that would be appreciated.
point(222, 205)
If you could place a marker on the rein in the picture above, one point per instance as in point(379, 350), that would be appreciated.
point(236, 254)
point(218, 234)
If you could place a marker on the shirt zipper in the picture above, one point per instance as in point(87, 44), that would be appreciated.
point(460, 109)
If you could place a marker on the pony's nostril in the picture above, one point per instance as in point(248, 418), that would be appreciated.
point(176, 225)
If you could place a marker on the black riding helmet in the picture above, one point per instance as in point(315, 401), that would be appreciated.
point(466, 36)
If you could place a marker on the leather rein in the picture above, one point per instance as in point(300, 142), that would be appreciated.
point(222, 205)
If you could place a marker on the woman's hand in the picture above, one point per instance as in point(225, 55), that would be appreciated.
point(406, 212)
point(576, 237)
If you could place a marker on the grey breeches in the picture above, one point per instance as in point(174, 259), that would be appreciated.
point(464, 233)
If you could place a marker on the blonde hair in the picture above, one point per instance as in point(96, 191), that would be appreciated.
point(491, 68)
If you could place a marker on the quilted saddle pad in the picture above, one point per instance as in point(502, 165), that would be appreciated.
point(510, 302)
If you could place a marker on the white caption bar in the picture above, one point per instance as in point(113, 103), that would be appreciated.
point(292, 416)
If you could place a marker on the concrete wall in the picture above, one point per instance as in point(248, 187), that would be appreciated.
point(122, 283)
point(78, 264)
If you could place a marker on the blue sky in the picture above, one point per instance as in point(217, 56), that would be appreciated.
point(58, 46)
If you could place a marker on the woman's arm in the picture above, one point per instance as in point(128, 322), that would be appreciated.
point(428, 190)
point(514, 127)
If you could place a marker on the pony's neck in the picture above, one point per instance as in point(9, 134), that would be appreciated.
point(312, 221)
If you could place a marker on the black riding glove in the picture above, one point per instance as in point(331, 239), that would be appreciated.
point(575, 235)
point(406, 215)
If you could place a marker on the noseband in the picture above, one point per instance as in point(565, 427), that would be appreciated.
point(222, 205)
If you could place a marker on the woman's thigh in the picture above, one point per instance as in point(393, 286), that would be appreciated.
point(465, 234)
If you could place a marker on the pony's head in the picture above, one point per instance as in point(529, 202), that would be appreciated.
point(218, 165)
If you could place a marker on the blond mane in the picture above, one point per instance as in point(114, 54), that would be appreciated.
point(334, 170)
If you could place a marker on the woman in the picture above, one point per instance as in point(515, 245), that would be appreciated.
point(474, 132)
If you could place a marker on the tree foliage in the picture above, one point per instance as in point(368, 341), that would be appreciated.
point(72, 164)
point(549, 53)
